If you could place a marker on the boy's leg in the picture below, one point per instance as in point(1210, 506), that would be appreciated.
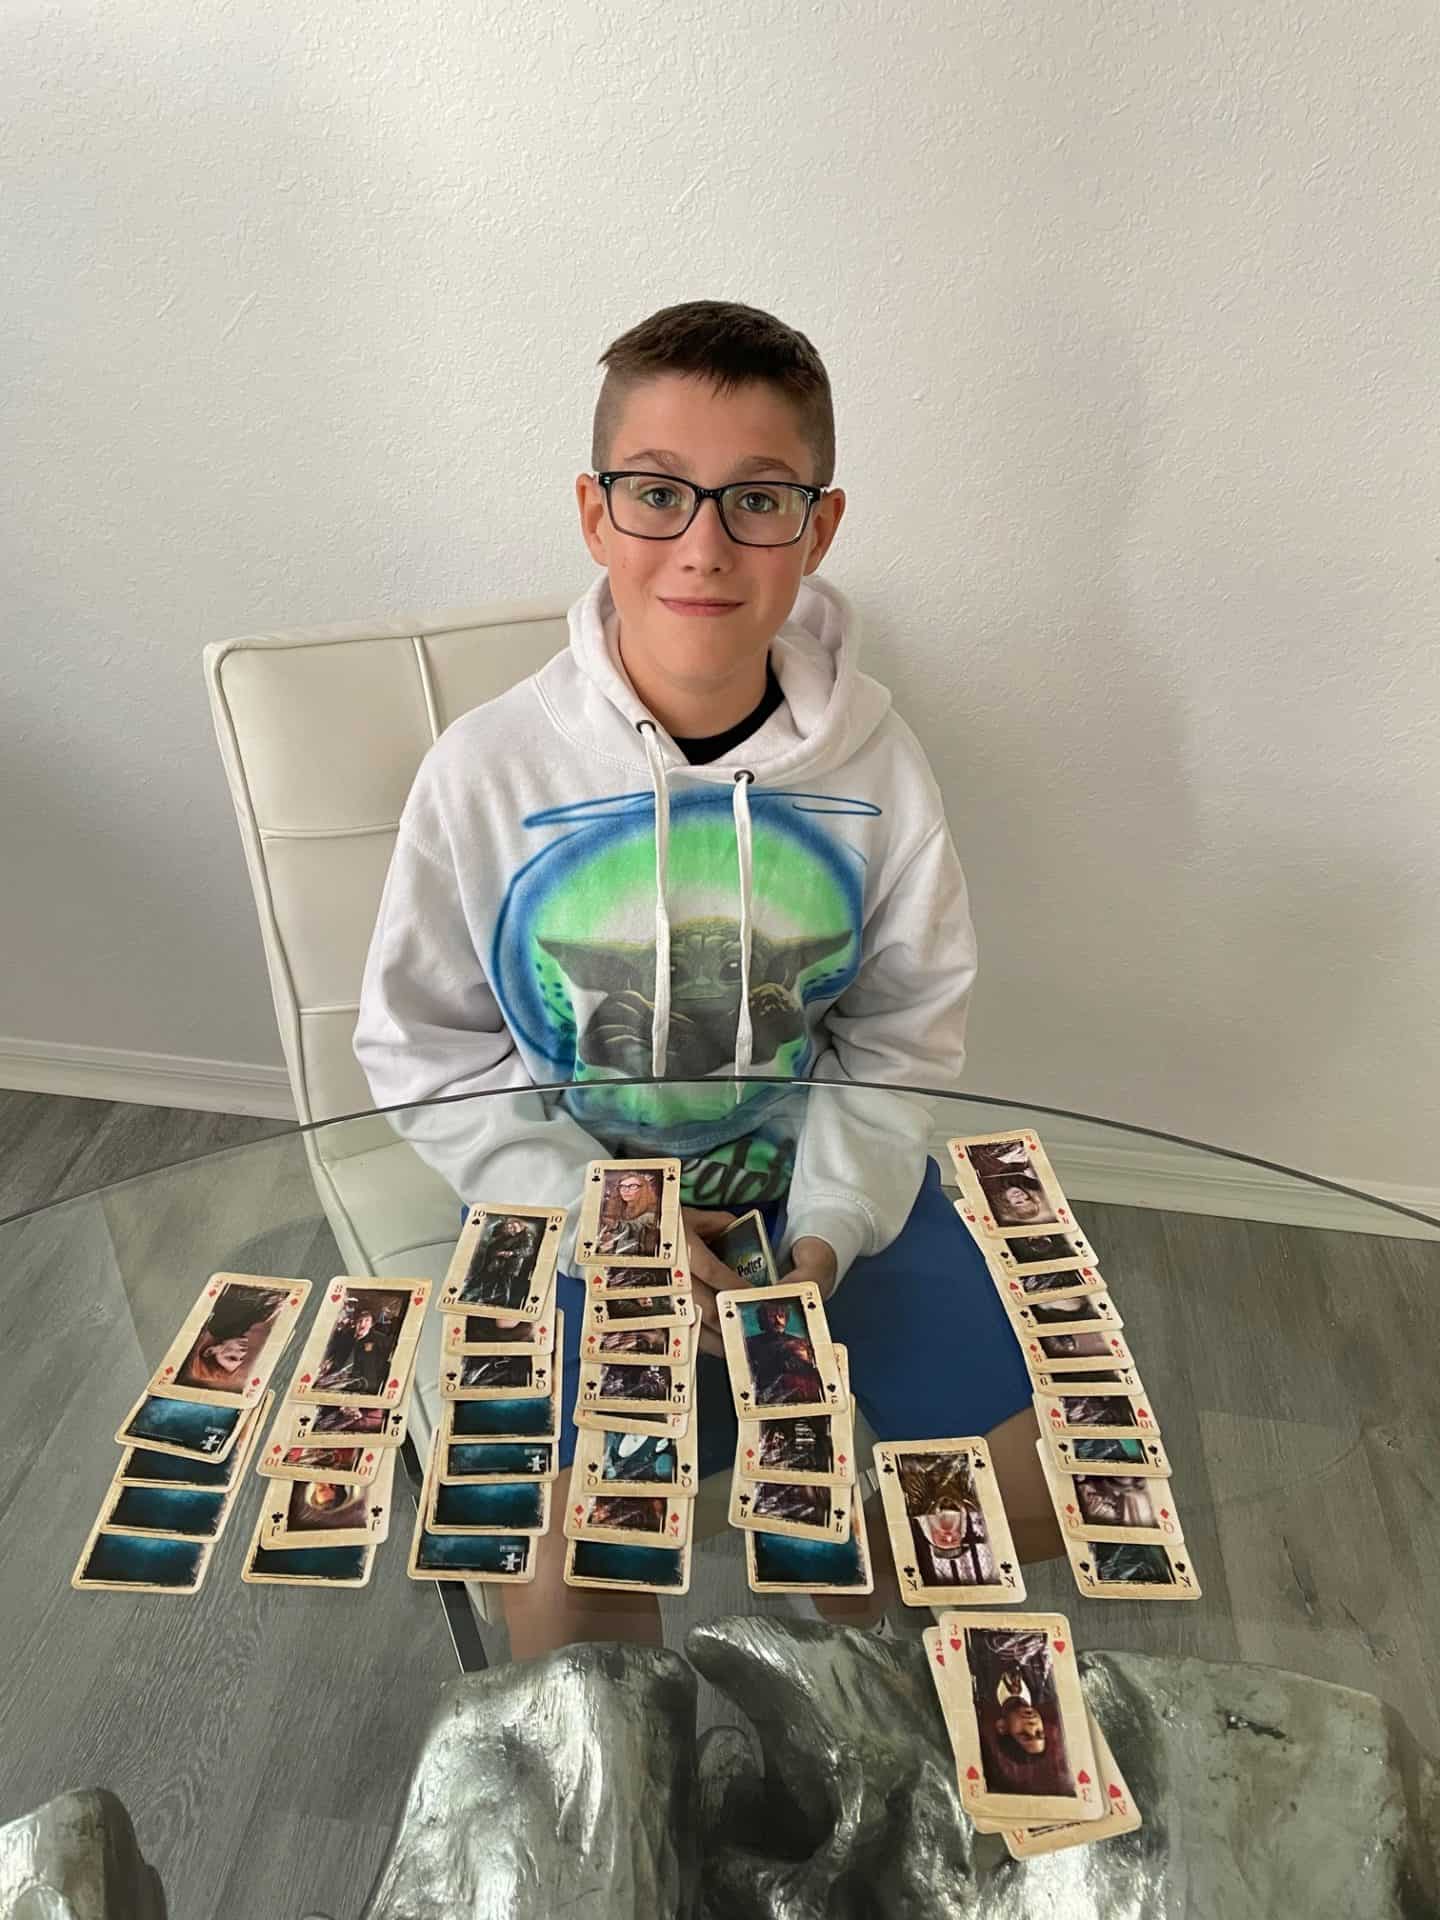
point(932, 1354)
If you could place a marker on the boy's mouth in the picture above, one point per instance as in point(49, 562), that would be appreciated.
point(700, 606)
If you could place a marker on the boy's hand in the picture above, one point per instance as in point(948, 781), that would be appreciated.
point(812, 1260)
point(709, 1274)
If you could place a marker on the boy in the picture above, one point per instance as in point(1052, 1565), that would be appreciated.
point(699, 844)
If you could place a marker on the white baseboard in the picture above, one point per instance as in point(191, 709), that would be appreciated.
point(146, 1079)
point(1156, 1174)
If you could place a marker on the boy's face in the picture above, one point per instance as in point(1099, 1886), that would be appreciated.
point(710, 436)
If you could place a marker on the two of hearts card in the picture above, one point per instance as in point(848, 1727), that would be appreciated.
point(328, 1463)
point(1100, 1446)
point(631, 1513)
point(188, 1438)
point(1031, 1761)
point(794, 1492)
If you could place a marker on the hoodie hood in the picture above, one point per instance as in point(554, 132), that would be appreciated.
point(830, 709)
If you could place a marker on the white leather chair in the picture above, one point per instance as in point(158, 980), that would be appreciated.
point(321, 730)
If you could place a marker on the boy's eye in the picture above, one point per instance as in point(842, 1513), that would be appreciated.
point(648, 491)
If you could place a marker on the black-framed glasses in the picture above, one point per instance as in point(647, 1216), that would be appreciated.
point(755, 513)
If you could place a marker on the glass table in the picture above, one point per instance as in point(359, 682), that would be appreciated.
point(262, 1737)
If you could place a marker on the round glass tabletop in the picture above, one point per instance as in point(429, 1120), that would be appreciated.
point(261, 1737)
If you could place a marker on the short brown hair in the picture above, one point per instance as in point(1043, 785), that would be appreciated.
point(731, 346)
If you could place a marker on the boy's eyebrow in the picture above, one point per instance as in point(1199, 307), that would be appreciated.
point(753, 463)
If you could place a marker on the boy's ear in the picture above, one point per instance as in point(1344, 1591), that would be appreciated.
point(618, 966)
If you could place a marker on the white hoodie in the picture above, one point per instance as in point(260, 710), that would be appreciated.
point(803, 896)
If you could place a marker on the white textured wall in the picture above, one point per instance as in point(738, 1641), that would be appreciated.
point(1132, 317)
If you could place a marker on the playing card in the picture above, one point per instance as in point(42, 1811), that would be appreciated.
point(629, 1214)
point(628, 1568)
point(503, 1559)
point(1128, 1570)
point(1083, 1313)
point(312, 1426)
point(226, 1350)
point(182, 1513)
point(778, 1351)
point(340, 1466)
point(190, 1429)
point(516, 1506)
point(135, 1563)
point(1016, 1717)
point(777, 1563)
point(605, 1281)
point(1091, 1507)
point(302, 1513)
point(1125, 1378)
point(496, 1376)
point(478, 1463)
point(1092, 1352)
point(947, 1525)
point(1008, 1185)
point(362, 1346)
point(1019, 1287)
point(143, 1467)
point(313, 1565)
point(1140, 1454)
point(662, 1346)
point(610, 1386)
point(744, 1247)
point(801, 1512)
point(1099, 1411)
point(500, 1333)
point(504, 1262)
point(641, 1464)
point(1120, 1815)
point(610, 1312)
point(649, 1520)
point(1039, 1253)
point(805, 1452)
point(529, 1417)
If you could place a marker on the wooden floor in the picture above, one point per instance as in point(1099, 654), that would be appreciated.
point(1294, 1374)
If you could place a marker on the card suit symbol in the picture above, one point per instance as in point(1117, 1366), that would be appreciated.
point(254, 1379)
point(594, 1178)
point(939, 1659)
point(1115, 1793)
point(843, 1459)
point(167, 1373)
point(1164, 1513)
point(888, 1467)
point(954, 1643)
point(909, 1573)
point(1006, 1568)
point(277, 1518)
point(1059, 1646)
point(337, 1293)
point(971, 1773)
point(749, 1453)
point(1141, 1413)
point(1071, 1511)
point(305, 1379)
point(375, 1512)
point(1083, 1777)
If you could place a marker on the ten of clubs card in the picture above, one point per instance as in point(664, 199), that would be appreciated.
point(947, 1525)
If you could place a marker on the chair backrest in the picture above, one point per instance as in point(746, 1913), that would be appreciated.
point(321, 730)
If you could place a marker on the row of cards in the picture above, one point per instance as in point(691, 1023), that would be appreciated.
point(631, 1517)
point(1100, 1446)
point(794, 1492)
point(1030, 1760)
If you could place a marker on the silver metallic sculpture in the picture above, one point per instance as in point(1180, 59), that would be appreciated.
point(572, 1784)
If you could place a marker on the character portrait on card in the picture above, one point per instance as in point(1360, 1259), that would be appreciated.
point(319, 1506)
point(1128, 1563)
point(1011, 1184)
point(357, 1355)
point(1097, 1410)
point(638, 1457)
point(803, 1506)
point(630, 1214)
point(627, 1513)
point(635, 1340)
point(504, 1258)
point(634, 1383)
point(781, 1357)
point(495, 1370)
point(1017, 1706)
point(947, 1526)
point(797, 1446)
point(1075, 1346)
point(231, 1338)
point(1123, 1500)
point(349, 1420)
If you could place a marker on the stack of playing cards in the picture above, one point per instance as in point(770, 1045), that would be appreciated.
point(485, 1501)
point(188, 1437)
point(1031, 1762)
point(329, 1461)
point(1100, 1444)
point(794, 1494)
point(630, 1519)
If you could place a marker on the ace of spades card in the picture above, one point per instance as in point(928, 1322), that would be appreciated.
point(948, 1532)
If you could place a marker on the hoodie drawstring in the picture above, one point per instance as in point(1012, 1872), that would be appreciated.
point(660, 1018)
point(740, 809)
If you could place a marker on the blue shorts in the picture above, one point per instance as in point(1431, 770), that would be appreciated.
point(930, 1345)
